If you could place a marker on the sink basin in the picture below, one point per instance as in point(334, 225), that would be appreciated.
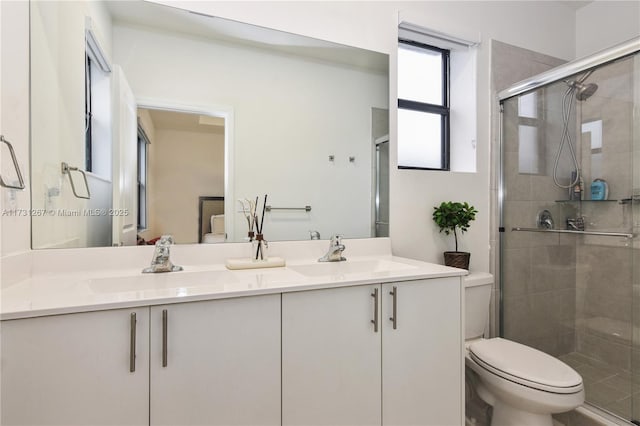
point(350, 268)
point(161, 281)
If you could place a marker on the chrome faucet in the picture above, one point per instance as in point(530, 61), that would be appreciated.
point(314, 235)
point(335, 250)
point(161, 261)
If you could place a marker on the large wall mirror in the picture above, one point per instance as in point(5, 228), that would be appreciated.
point(145, 118)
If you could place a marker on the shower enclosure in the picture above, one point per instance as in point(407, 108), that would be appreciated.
point(569, 207)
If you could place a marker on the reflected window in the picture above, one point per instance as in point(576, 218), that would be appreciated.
point(423, 106)
point(97, 107)
point(528, 105)
point(87, 113)
point(594, 129)
point(528, 158)
point(530, 147)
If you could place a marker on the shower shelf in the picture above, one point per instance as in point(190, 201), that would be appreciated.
point(566, 231)
point(634, 199)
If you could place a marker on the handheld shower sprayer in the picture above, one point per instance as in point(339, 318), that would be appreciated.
point(580, 91)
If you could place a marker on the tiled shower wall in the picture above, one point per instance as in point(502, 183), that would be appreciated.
point(539, 269)
point(510, 64)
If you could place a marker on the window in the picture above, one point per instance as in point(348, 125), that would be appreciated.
point(143, 150)
point(423, 106)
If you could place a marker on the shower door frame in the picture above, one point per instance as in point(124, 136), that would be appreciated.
point(602, 57)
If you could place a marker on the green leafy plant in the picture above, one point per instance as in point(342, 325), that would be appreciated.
point(452, 216)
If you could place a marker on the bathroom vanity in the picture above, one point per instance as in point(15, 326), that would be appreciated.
point(376, 339)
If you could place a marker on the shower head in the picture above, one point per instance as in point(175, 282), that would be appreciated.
point(583, 91)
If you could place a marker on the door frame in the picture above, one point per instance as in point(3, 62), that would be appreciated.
point(212, 110)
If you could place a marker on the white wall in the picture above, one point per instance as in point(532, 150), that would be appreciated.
point(601, 24)
point(57, 84)
point(415, 193)
point(14, 61)
point(289, 116)
point(3, 58)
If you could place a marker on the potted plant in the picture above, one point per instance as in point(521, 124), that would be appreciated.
point(453, 217)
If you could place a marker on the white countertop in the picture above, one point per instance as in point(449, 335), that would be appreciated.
point(82, 289)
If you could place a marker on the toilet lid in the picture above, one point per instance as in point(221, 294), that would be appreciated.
point(525, 365)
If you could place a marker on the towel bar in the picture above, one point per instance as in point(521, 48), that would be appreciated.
point(66, 169)
point(305, 208)
point(567, 231)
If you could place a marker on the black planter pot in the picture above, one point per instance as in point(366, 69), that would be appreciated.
point(457, 259)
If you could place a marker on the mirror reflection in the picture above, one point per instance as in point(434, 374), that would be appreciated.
point(173, 117)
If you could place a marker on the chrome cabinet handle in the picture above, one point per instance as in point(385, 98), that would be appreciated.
point(165, 321)
point(394, 315)
point(375, 310)
point(15, 166)
point(132, 343)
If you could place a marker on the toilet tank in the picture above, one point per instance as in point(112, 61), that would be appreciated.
point(477, 295)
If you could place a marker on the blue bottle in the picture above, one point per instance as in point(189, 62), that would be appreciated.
point(599, 190)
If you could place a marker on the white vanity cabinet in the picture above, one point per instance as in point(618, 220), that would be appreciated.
point(331, 357)
point(76, 369)
point(341, 368)
point(216, 362)
point(422, 358)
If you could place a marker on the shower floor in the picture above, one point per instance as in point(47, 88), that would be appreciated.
point(607, 387)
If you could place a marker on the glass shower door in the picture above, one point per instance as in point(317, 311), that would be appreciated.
point(570, 207)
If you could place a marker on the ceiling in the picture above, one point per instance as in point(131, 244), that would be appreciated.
point(173, 120)
point(167, 18)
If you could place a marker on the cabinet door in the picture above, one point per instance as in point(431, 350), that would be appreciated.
point(76, 369)
point(422, 365)
point(330, 357)
point(222, 363)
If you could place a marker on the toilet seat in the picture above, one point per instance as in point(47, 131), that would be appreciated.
point(526, 366)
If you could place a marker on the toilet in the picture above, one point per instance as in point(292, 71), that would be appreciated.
point(523, 385)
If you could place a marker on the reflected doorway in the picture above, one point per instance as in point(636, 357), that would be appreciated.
point(185, 162)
